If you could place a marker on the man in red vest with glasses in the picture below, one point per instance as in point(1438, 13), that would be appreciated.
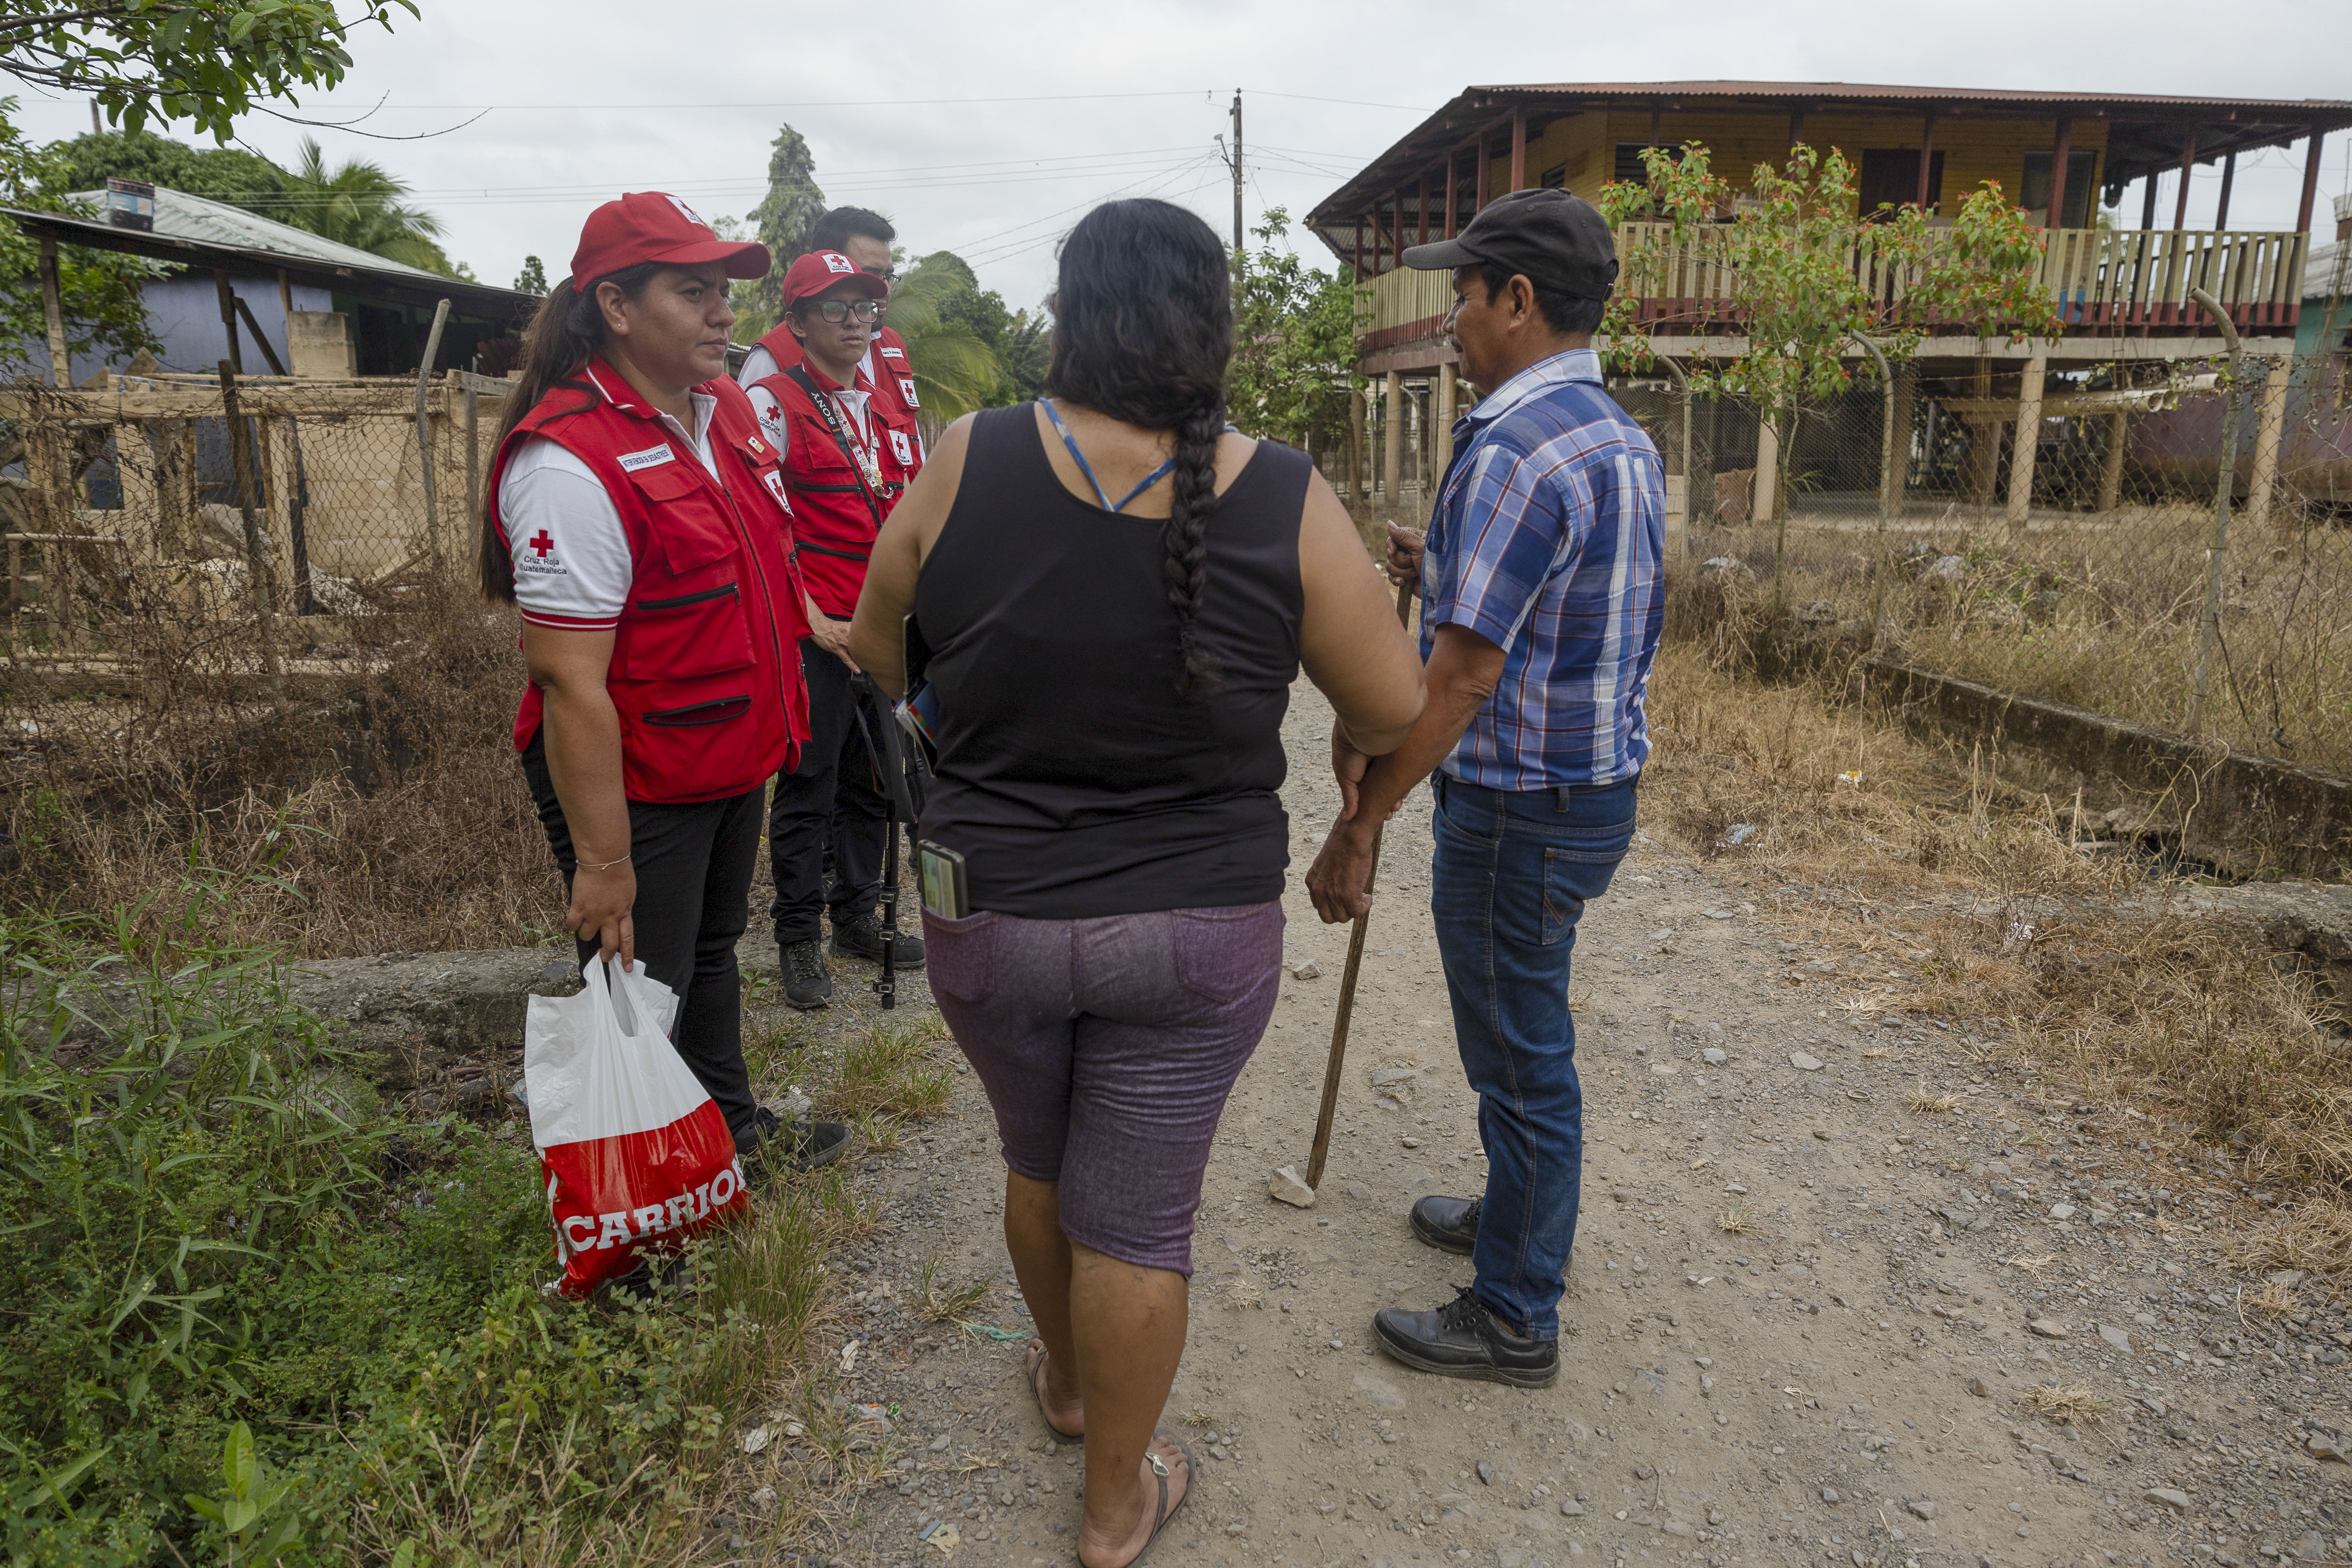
point(849, 452)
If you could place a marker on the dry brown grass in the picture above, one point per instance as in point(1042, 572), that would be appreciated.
point(2068, 1405)
point(2102, 611)
point(385, 804)
point(2272, 1302)
point(1971, 893)
point(2315, 1238)
point(1923, 1101)
point(1737, 1220)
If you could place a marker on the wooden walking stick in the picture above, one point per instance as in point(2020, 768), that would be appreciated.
point(1331, 1106)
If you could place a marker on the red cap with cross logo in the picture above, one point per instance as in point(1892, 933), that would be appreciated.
point(820, 270)
point(654, 225)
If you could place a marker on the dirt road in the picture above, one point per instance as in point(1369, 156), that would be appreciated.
point(1799, 1318)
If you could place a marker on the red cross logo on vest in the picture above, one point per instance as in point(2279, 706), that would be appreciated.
point(541, 544)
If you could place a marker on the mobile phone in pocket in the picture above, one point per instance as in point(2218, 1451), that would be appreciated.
point(944, 891)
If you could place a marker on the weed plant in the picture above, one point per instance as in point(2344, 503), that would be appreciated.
point(214, 1226)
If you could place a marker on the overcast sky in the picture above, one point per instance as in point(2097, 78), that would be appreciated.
point(590, 98)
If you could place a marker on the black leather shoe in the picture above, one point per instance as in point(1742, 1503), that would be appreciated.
point(862, 938)
point(808, 985)
point(1450, 1225)
point(1462, 1339)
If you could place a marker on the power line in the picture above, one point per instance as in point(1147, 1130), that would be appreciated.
point(823, 103)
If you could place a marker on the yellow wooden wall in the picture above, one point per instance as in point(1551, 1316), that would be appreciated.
point(1975, 149)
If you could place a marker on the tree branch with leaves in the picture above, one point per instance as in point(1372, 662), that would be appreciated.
point(206, 61)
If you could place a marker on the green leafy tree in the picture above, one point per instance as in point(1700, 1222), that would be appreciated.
point(229, 174)
point(1810, 272)
point(98, 290)
point(363, 205)
point(532, 279)
point(954, 368)
point(206, 61)
point(1026, 355)
point(783, 219)
point(1294, 343)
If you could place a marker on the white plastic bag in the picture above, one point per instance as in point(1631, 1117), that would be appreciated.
point(635, 1153)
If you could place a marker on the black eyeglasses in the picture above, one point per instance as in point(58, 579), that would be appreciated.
point(839, 311)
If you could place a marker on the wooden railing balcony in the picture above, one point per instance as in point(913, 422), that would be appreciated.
point(2099, 279)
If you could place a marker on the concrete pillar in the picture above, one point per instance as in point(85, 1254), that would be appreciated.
point(1984, 458)
point(1768, 471)
point(2267, 432)
point(1906, 403)
point(1448, 390)
point(2029, 434)
point(1356, 453)
point(2111, 470)
point(1393, 445)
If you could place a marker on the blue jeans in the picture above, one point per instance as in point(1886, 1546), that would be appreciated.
point(1512, 873)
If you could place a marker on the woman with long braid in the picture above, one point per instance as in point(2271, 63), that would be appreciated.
point(1118, 592)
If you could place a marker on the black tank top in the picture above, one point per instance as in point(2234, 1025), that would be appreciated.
point(1073, 778)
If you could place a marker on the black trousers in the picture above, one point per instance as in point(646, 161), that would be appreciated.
point(832, 791)
point(694, 866)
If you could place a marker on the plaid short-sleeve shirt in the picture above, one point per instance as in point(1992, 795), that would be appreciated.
point(1545, 541)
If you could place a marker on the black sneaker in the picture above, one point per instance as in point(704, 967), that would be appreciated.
point(1462, 1339)
point(1450, 1225)
point(862, 938)
point(805, 1145)
point(808, 985)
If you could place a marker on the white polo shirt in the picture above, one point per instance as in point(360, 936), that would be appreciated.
point(572, 564)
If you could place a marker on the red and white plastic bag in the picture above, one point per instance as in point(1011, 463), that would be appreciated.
point(634, 1152)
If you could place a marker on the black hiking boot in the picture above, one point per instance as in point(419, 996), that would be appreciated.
point(862, 938)
point(1463, 1339)
point(1450, 1225)
point(808, 985)
point(805, 1145)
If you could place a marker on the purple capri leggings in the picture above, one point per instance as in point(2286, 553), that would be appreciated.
point(1108, 1048)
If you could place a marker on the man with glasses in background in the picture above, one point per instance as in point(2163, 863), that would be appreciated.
point(848, 454)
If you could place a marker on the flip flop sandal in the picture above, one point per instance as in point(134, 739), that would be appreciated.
point(1159, 1470)
point(1036, 1362)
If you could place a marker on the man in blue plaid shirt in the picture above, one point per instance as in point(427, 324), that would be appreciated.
point(1540, 605)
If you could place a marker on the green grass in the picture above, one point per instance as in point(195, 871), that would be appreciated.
point(213, 1227)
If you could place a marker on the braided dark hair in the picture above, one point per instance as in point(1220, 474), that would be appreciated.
point(1143, 329)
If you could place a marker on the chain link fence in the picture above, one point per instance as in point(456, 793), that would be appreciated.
point(255, 520)
point(2076, 569)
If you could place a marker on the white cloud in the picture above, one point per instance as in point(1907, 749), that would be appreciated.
point(595, 96)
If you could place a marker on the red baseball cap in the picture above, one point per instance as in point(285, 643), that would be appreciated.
point(654, 225)
point(820, 270)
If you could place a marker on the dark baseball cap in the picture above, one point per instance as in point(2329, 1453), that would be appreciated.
point(1557, 240)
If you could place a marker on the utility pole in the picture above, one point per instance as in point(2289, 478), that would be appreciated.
point(1239, 251)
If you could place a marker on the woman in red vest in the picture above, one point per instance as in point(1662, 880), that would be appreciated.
point(636, 515)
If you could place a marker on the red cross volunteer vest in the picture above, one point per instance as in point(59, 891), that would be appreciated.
point(840, 497)
point(894, 374)
point(706, 669)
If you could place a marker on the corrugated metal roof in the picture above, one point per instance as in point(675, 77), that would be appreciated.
point(2328, 271)
point(208, 221)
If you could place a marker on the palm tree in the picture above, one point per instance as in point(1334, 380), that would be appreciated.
point(360, 205)
point(955, 371)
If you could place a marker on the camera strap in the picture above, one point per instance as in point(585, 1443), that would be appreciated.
point(861, 461)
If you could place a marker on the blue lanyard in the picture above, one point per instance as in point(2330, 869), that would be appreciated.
point(1150, 480)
